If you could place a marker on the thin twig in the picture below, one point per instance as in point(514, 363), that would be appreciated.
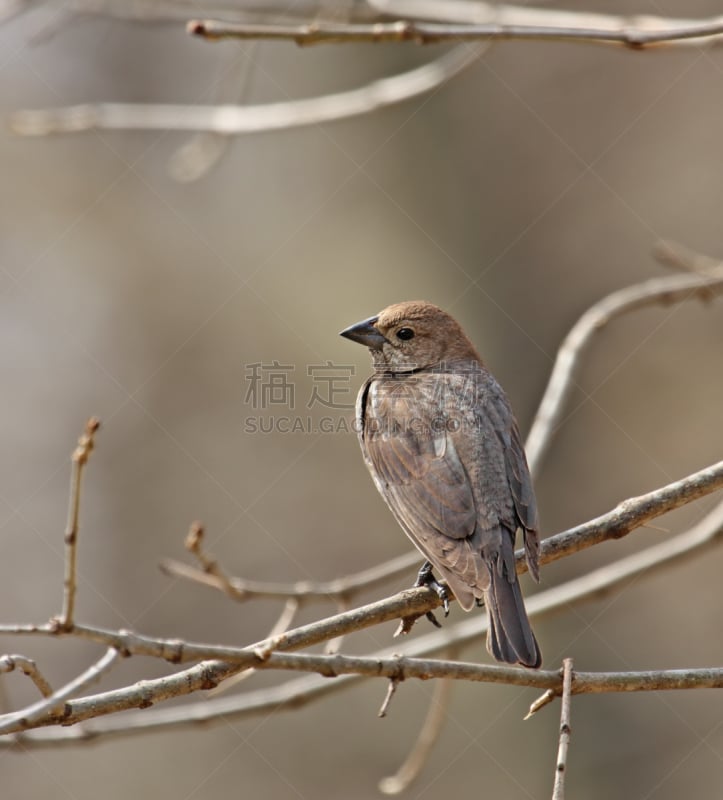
point(427, 738)
point(52, 706)
point(209, 563)
point(339, 588)
point(27, 666)
point(80, 459)
point(391, 691)
point(669, 289)
point(558, 789)
point(434, 33)
point(543, 700)
point(232, 119)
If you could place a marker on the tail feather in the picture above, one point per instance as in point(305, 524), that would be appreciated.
point(510, 638)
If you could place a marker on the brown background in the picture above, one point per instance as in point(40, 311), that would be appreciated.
point(516, 196)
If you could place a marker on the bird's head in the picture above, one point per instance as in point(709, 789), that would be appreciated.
point(411, 336)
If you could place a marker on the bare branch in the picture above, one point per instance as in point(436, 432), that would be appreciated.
point(670, 289)
point(395, 667)
point(467, 11)
point(80, 459)
point(558, 790)
point(52, 706)
point(336, 589)
point(209, 563)
point(401, 668)
point(629, 515)
point(434, 33)
point(545, 699)
point(231, 120)
point(177, 651)
point(391, 690)
point(27, 666)
point(428, 736)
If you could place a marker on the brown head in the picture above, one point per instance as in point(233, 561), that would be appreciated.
point(410, 336)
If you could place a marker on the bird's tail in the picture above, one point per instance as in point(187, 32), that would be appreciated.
point(510, 637)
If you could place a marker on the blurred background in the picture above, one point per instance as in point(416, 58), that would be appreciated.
point(515, 196)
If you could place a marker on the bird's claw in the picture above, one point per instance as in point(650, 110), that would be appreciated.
point(425, 577)
point(430, 616)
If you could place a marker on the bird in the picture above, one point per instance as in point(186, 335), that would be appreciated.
point(441, 442)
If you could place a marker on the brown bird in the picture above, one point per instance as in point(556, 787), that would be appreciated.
point(442, 445)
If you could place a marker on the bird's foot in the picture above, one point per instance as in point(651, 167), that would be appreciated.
point(425, 577)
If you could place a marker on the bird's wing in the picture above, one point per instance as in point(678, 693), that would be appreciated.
point(418, 471)
point(518, 474)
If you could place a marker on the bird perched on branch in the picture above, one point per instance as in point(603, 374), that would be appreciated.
point(442, 445)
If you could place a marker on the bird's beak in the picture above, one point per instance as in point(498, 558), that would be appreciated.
point(365, 333)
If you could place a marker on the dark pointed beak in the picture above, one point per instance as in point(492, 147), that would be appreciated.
point(365, 333)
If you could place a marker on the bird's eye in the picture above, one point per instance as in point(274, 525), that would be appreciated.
point(405, 334)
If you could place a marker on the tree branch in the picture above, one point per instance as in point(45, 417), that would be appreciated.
point(27, 666)
point(232, 119)
point(427, 738)
point(558, 789)
point(338, 589)
point(80, 459)
point(394, 668)
point(425, 33)
point(628, 515)
point(50, 708)
point(669, 289)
